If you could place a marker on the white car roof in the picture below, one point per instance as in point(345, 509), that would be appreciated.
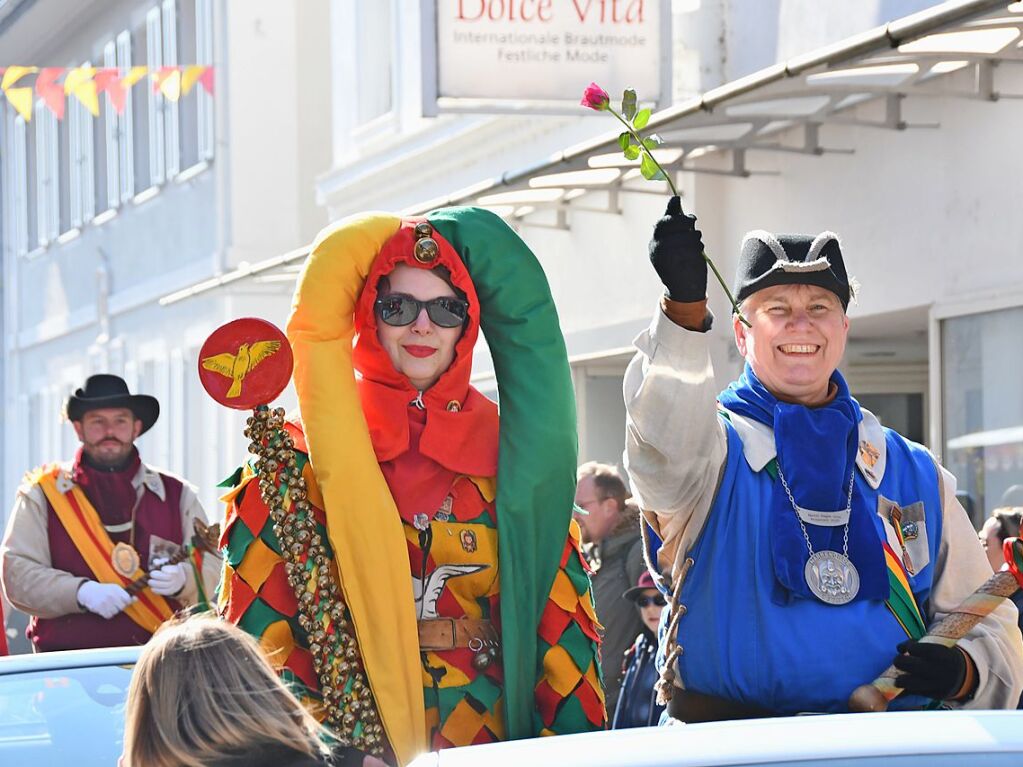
point(761, 741)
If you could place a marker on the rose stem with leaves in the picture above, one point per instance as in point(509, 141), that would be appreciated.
point(597, 98)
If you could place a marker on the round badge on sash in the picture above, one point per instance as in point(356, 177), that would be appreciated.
point(245, 363)
point(125, 560)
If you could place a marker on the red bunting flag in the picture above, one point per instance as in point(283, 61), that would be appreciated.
point(50, 92)
point(207, 80)
point(108, 81)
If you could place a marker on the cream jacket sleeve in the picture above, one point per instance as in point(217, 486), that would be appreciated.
point(30, 582)
point(995, 643)
point(675, 444)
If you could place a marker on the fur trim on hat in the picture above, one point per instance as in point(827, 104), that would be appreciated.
point(768, 239)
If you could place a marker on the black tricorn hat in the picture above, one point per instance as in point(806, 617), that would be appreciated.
point(105, 390)
point(766, 260)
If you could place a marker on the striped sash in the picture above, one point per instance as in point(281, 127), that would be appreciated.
point(900, 600)
point(83, 526)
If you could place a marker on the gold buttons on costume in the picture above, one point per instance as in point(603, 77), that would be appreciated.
point(426, 249)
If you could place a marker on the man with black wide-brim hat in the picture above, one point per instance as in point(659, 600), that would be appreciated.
point(81, 531)
point(806, 546)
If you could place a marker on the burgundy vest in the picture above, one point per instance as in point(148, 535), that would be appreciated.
point(82, 630)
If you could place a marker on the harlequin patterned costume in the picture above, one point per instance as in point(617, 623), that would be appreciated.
point(493, 546)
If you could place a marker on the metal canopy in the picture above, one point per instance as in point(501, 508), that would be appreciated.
point(949, 51)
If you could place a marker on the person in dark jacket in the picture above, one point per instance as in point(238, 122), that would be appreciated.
point(204, 695)
point(1003, 523)
point(637, 701)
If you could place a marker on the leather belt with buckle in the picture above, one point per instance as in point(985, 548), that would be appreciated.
point(449, 633)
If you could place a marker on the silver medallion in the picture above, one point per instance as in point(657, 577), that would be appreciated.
point(832, 577)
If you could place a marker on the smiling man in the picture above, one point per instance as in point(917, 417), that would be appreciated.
point(80, 532)
point(808, 545)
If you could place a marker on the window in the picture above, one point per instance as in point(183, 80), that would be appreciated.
point(110, 133)
point(204, 55)
point(125, 142)
point(170, 108)
point(189, 32)
point(374, 41)
point(982, 363)
point(81, 185)
point(15, 184)
point(155, 99)
point(47, 175)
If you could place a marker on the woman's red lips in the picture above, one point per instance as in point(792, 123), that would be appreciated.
point(419, 351)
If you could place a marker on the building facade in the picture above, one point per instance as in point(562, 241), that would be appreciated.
point(105, 216)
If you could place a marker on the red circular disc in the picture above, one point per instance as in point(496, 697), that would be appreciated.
point(245, 363)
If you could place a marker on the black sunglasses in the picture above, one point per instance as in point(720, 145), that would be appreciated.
point(647, 601)
point(398, 310)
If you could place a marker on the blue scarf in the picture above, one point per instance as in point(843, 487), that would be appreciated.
point(816, 450)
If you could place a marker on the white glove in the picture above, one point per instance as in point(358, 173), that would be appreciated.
point(105, 599)
point(168, 580)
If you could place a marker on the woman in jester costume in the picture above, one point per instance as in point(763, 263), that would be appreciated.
point(448, 532)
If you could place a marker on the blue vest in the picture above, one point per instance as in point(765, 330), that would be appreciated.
point(747, 639)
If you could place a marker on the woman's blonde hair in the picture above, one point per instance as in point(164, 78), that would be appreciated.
point(202, 691)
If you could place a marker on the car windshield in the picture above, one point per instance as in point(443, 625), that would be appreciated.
point(64, 716)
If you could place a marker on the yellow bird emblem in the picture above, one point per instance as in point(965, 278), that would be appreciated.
point(237, 366)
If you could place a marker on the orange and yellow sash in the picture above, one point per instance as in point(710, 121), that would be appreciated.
point(83, 526)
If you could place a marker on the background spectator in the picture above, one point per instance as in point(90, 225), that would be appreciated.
point(1003, 523)
point(637, 701)
point(614, 551)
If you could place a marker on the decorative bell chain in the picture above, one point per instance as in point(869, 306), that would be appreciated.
point(306, 564)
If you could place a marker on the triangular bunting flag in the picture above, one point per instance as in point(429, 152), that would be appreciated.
point(13, 74)
point(76, 76)
point(206, 80)
point(134, 75)
point(21, 99)
point(168, 81)
point(51, 92)
point(79, 82)
point(190, 77)
point(108, 81)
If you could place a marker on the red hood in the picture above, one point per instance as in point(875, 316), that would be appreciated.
point(461, 430)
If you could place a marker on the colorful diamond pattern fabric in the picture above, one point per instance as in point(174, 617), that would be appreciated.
point(464, 703)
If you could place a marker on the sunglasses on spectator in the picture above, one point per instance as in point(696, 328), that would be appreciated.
point(647, 601)
point(399, 310)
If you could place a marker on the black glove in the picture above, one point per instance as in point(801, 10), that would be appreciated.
point(676, 251)
point(931, 670)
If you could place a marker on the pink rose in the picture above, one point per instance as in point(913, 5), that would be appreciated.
point(596, 98)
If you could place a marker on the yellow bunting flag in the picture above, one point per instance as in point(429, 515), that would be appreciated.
point(79, 82)
point(13, 74)
point(190, 77)
point(20, 98)
point(134, 75)
point(169, 81)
